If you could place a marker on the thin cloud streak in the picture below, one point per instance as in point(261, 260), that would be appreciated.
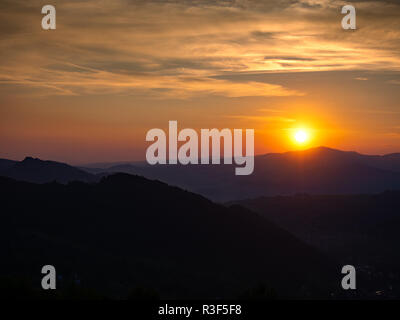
point(172, 48)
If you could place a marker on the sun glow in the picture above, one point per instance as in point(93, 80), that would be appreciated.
point(301, 136)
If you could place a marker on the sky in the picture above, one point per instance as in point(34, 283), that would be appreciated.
point(112, 70)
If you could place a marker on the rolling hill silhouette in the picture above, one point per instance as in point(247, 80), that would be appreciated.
point(6, 164)
point(315, 171)
point(127, 232)
point(318, 171)
point(39, 171)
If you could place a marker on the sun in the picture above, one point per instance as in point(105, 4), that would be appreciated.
point(301, 136)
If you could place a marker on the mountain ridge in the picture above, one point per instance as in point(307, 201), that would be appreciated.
point(41, 171)
point(127, 231)
point(319, 170)
point(316, 170)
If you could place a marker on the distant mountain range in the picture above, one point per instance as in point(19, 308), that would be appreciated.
point(93, 222)
point(126, 233)
point(315, 171)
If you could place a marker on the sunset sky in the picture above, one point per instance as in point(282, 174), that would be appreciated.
point(112, 70)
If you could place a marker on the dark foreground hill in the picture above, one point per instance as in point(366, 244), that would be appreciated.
point(127, 232)
point(362, 230)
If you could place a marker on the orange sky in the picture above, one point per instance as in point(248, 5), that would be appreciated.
point(91, 89)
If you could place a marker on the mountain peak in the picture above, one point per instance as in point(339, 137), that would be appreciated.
point(328, 149)
point(31, 159)
point(324, 148)
point(42, 171)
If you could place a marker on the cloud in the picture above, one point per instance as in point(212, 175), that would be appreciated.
point(264, 35)
point(288, 58)
point(269, 110)
point(171, 48)
point(262, 118)
point(182, 87)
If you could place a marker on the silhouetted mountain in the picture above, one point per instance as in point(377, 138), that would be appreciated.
point(361, 230)
point(128, 232)
point(39, 171)
point(5, 164)
point(317, 171)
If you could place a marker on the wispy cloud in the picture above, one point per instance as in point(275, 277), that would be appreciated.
point(270, 110)
point(262, 118)
point(171, 48)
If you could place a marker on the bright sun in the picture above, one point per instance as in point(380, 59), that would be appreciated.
point(301, 136)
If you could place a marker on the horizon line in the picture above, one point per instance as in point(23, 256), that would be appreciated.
point(121, 162)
